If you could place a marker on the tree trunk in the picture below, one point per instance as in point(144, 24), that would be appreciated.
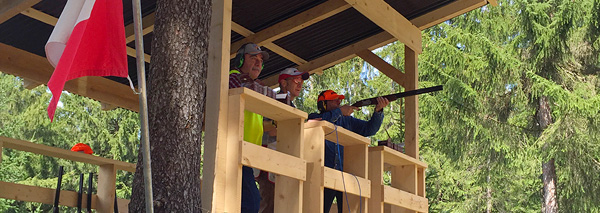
point(550, 204)
point(549, 178)
point(176, 97)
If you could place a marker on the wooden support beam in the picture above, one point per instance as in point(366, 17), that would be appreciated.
point(107, 178)
point(107, 107)
point(40, 16)
point(64, 153)
point(411, 103)
point(20, 192)
point(147, 27)
point(314, 153)
point(404, 178)
point(217, 85)
point(1, 150)
point(295, 23)
point(356, 163)
point(37, 69)
point(387, 69)
point(319, 64)
point(51, 20)
point(493, 2)
point(404, 199)
point(290, 140)
point(233, 169)
point(11, 8)
point(446, 12)
point(376, 177)
point(344, 137)
point(333, 180)
point(30, 84)
point(273, 47)
point(390, 20)
point(269, 160)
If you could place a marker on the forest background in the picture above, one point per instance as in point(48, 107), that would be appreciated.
point(520, 96)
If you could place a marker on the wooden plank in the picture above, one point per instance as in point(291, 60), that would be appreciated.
point(20, 192)
point(217, 85)
point(333, 179)
point(411, 103)
point(404, 199)
point(273, 47)
point(404, 178)
point(233, 168)
point(390, 20)
point(493, 2)
point(295, 23)
point(107, 178)
point(338, 56)
point(387, 69)
point(11, 8)
point(290, 140)
point(147, 27)
point(266, 106)
point(395, 158)
point(345, 137)
point(421, 182)
point(376, 177)
point(446, 12)
point(356, 163)
point(64, 154)
point(1, 150)
point(266, 159)
point(314, 153)
point(40, 16)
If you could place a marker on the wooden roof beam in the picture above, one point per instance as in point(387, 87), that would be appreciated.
point(293, 24)
point(11, 8)
point(51, 20)
point(38, 70)
point(147, 27)
point(336, 57)
point(447, 12)
point(387, 69)
point(386, 17)
point(273, 47)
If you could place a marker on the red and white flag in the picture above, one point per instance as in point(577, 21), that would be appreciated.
point(88, 40)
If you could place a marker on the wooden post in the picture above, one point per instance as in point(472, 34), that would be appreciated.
point(217, 85)
point(233, 165)
point(359, 168)
point(1, 149)
point(314, 153)
point(411, 137)
point(107, 178)
point(288, 191)
point(376, 177)
point(404, 178)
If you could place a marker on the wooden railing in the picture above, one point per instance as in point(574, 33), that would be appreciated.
point(298, 161)
point(103, 201)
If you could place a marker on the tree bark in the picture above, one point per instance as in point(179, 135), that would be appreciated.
point(550, 204)
point(176, 98)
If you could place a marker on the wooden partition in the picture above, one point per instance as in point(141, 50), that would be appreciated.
point(407, 190)
point(102, 202)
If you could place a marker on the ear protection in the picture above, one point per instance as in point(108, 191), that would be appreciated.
point(322, 106)
point(239, 57)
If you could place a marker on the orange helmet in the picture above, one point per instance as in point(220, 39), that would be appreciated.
point(81, 147)
point(329, 95)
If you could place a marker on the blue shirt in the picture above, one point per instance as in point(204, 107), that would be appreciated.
point(358, 126)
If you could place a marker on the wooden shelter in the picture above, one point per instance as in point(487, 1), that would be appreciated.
point(310, 35)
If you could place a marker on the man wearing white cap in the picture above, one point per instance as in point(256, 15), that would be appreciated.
point(290, 83)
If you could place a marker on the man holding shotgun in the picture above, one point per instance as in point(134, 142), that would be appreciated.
point(330, 110)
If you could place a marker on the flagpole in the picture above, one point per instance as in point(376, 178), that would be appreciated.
point(141, 73)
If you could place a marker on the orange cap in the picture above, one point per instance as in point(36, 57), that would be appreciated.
point(329, 95)
point(81, 147)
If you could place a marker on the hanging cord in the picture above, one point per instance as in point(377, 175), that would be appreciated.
point(131, 85)
point(338, 153)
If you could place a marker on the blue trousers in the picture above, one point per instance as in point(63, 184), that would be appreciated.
point(250, 194)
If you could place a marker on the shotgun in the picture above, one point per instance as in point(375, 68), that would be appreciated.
point(393, 97)
point(80, 193)
point(89, 193)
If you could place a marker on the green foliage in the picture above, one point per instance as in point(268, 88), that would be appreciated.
point(111, 134)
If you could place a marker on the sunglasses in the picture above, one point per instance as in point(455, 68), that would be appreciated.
point(296, 80)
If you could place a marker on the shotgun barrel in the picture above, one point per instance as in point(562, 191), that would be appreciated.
point(57, 194)
point(393, 97)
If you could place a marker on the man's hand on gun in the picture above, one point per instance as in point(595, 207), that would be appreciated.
point(381, 103)
point(347, 110)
